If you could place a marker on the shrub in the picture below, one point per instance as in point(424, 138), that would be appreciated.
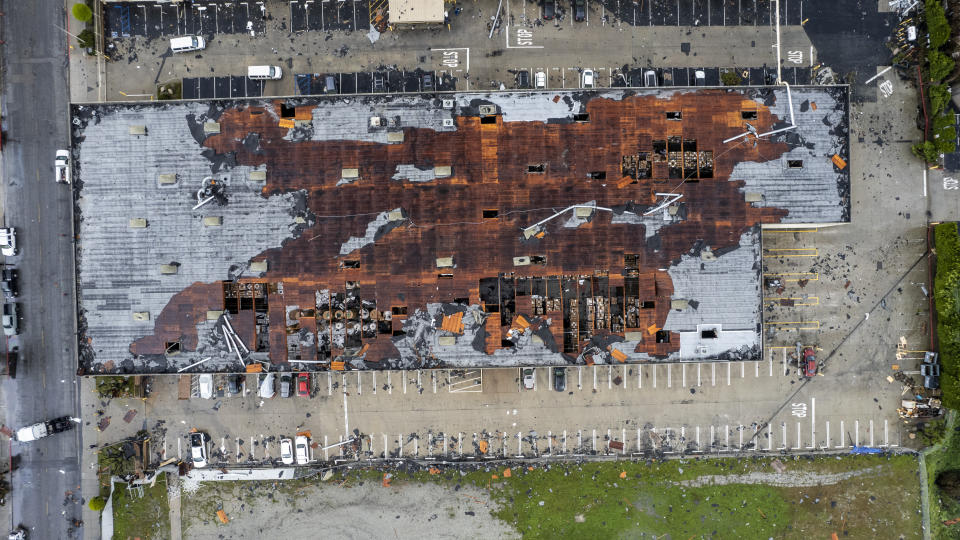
point(97, 504)
point(939, 97)
point(730, 78)
point(945, 133)
point(940, 65)
point(937, 24)
point(926, 151)
point(86, 39)
point(946, 289)
point(82, 13)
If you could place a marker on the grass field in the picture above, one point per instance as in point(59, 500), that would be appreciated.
point(943, 508)
point(144, 517)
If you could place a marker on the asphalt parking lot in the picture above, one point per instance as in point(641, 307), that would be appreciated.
point(153, 20)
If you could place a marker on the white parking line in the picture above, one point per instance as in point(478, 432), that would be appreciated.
point(654, 375)
point(728, 373)
point(769, 438)
point(683, 375)
point(329, 384)
point(669, 376)
point(712, 435)
point(813, 423)
point(460, 442)
point(783, 427)
point(594, 376)
point(871, 433)
point(389, 384)
point(726, 433)
point(798, 437)
point(609, 377)
point(698, 374)
point(359, 384)
point(564, 441)
point(886, 433)
point(639, 376)
point(856, 427)
point(842, 437)
point(374, 382)
point(827, 444)
point(740, 430)
point(550, 442)
point(698, 439)
point(713, 373)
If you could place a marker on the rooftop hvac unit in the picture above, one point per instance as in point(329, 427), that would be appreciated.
point(448, 122)
point(487, 110)
point(448, 104)
point(375, 121)
point(701, 350)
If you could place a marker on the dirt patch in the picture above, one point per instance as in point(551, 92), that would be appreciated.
point(360, 511)
point(785, 479)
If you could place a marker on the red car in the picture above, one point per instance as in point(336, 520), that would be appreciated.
point(303, 384)
point(809, 362)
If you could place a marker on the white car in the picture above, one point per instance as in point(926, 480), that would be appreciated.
point(286, 451)
point(540, 79)
point(529, 380)
point(61, 167)
point(198, 449)
point(8, 241)
point(206, 385)
point(268, 385)
point(588, 78)
point(303, 450)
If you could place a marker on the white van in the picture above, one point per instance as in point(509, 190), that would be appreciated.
point(187, 44)
point(264, 72)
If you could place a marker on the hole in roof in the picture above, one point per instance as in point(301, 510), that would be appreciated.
point(663, 336)
point(536, 168)
point(489, 213)
point(674, 115)
point(709, 334)
point(581, 117)
point(748, 115)
point(648, 304)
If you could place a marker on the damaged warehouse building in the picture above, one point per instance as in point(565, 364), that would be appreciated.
point(458, 230)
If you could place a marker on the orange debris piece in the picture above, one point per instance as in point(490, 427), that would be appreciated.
point(652, 329)
point(838, 161)
point(386, 479)
point(624, 182)
point(434, 470)
point(618, 355)
point(286, 123)
point(623, 474)
point(453, 323)
point(254, 368)
point(222, 516)
point(337, 366)
point(522, 322)
point(495, 477)
point(482, 445)
point(813, 105)
point(507, 473)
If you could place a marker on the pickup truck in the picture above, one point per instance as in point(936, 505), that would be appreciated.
point(42, 429)
point(8, 241)
point(61, 167)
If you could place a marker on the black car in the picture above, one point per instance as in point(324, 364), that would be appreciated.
point(427, 83)
point(523, 79)
point(559, 379)
point(9, 282)
point(234, 384)
point(549, 9)
point(579, 10)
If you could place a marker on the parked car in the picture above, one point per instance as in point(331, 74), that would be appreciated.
point(579, 10)
point(9, 282)
point(206, 385)
point(559, 379)
point(330, 85)
point(523, 79)
point(809, 362)
point(379, 82)
point(588, 79)
point(931, 383)
point(303, 451)
point(699, 78)
point(930, 370)
point(234, 384)
point(267, 383)
point(650, 78)
point(427, 83)
point(8, 241)
point(529, 380)
point(10, 324)
point(286, 451)
point(549, 9)
point(540, 79)
point(198, 449)
point(286, 385)
point(303, 384)
point(61, 167)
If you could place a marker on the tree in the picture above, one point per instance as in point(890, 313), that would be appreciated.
point(730, 78)
point(82, 13)
point(939, 97)
point(937, 24)
point(97, 503)
point(86, 39)
point(926, 151)
point(940, 65)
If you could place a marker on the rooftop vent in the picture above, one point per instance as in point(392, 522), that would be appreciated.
point(258, 267)
point(442, 171)
point(169, 269)
point(138, 223)
point(448, 122)
point(448, 104)
point(395, 137)
point(141, 316)
point(166, 179)
point(258, 176)
point(138, 130)
point(212, 221)
point(211, 128)
point(487, 110)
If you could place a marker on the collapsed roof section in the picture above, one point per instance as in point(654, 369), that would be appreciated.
point(465, 230)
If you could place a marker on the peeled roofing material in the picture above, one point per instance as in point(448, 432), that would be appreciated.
point(351, 267)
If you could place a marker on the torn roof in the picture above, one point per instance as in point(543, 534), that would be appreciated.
point(556, 227)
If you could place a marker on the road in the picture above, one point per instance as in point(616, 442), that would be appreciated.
point(35, 124)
